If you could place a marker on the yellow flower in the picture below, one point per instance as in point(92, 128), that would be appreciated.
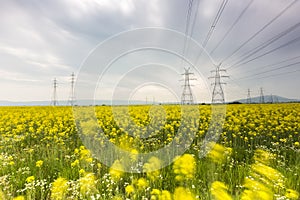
point(155, 194)
point(19, 198)
point(89, 160)
point(88, 184)
point(152, 168)
point(75, 163)
point(59, 189)
point(160, 195)
point(129, 189)
point(296, 144)
point(292, 194)
point(165, 195)
point(220, 191)
point(116, 170)
point(181, 193)
point(185, 167)
point(134, 154)
point(84, 154)
point(76, 151)
point(39, 163)
point(219, 153)
point(268, 172)
point(30, 179)
point(2, 195)
point(81, 171)
point(251, 194)
point(142, 183)
point(263, 156)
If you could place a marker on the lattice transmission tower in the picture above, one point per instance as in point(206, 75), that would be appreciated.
point(249, 96)
point(54, 101)
point(72, 99)
point(218, 92)
point(187, 95)
point(261, 97)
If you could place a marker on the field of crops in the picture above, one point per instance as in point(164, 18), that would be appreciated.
point(256, 157)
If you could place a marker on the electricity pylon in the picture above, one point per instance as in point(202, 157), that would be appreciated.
point(54, 101)
point(71, 99)
point(187, 95)
point(249, 96)
point(218, 92)
point(261, 98)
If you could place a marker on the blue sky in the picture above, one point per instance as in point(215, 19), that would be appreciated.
point(41, 40)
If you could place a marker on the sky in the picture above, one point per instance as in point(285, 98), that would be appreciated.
point(138, 49)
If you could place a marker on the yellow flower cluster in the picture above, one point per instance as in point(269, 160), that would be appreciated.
point(39, 163)
point(219, 191)
point(88, 184)
point(184, 167)
point(152, 168)
point(59, 189)
point(37, 144)
point(116, 171)
point(219, 153)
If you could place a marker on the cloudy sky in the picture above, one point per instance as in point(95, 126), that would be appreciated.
point(43, 40)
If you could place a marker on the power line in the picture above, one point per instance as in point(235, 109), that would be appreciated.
point(273, 75)
point(190, 9)
point(232, 26)
point(272, 50)
point(212, 27)
point(289, 72)
point(274, 69)
point(263, 45)
point(273, 64)
point(260, 30)
point(195, 18)
point(187, 25)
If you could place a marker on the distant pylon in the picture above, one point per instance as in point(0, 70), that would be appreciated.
point(218, 92)
point(54, 101)
point(71, 99)
point(249, 96)
point(187, 95)
point(261, 98)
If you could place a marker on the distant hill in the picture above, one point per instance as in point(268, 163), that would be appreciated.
point(269, 99)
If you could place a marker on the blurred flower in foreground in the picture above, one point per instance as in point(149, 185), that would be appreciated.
point(156, 194)
point(152, 168)
point(219, 191)
point(219, 153)
point(256, 190)
point(18, 198)
point(263, 156)
point(59, 189)
point(184, 167)
point(181, 193)
point(292, 194)
point(116, 170)
point(88, 184)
